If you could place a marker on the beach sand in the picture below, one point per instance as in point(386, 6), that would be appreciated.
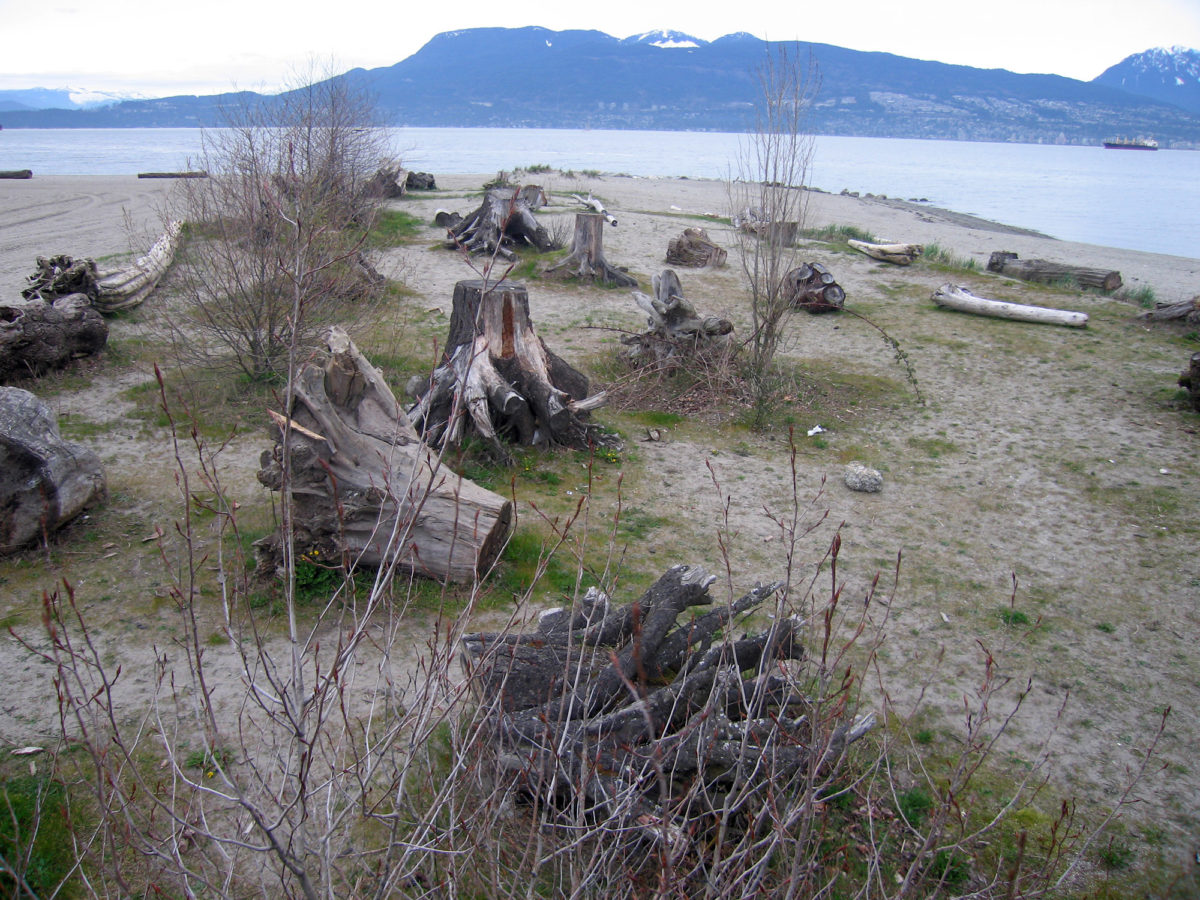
point(1052, 456)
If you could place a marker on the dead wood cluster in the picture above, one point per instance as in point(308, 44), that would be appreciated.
point(38, 335)
point(503, 221)
point(811, 287)
point(695, 249)
point(650, 718)
point(676, 329)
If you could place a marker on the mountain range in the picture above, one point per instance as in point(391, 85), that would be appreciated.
point(534, 77)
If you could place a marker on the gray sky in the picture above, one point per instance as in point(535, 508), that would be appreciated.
point(160, 47)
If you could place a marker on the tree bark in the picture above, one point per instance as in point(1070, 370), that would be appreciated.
point(498, 379)
point(505, 219)
point(675, 328)
point(44, 481)
point(694, 249)
point(586, 260)
point(1189, 310)
point(812, 287)
point(1046, 272)
point(953, 296)
point(365, 489)
point(899, 254)
point(1190, 380)
point(36, 336)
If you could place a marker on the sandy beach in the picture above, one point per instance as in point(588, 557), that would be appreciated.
point(1057, 458)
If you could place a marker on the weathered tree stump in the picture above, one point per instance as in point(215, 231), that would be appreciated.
point(390, 182)
point(365, 490)
point(812, 287)
point(599, 702)
point(1188, 310)
point(694, 249)
point(897, 254)
point(753, 220)
point(956, 297)
point(498, 379)
point(586, 260)
point(1190, 380)
point(420, 181)
point(675, 328)
point(504, 219)
point(36, 335)
point(1046, 272)
point(44, 481)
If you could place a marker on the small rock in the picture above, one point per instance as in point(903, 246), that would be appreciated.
point(861, 478)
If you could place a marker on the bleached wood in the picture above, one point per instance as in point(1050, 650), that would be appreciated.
point(953, 296)
point(899, 254)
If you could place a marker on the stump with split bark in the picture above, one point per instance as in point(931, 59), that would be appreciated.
point(1046, 272)
point(364, 488)
point(504, 220)
point(812, 287)
point(647, 715)
point(499, 380)
point(44, 481)
point(586, 260)
point(694, 249)
point(676, 329)
point(36, 335)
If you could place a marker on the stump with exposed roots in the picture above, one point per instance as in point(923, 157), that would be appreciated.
point(586, 260)
point(499, 381)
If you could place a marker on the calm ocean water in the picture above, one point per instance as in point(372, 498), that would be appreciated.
point(1135, 200)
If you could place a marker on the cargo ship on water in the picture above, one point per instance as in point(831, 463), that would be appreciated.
point(1137, 143)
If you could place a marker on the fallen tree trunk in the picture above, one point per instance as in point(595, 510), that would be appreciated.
point(504, 219)
point(953, 296)
point(812, 287)
point(1046, 272)
point(695, 250)
point(17, 174)
point(364, 488)
point(1188, 310)
point(498, 379)
point(597, 703)
point(195, 174)
point(36, 335)
point(675, 328)
point(44, 481)
point(586, 259)
point(899, 254)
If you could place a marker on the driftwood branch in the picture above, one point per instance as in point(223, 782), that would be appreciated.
point(953, 296)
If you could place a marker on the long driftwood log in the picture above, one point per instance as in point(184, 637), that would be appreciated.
point(365, 489)
point(695, 249)
point(17, 174)
point(500, 381)
point(44, 481)
point(647, 714)
point(586, 260)
point(811, 287)
point(1046, 272)
point(39, 335)
point(676, 330)
point(1188, 310)
point(956, 297)
point(503, 220)
point(899, 254)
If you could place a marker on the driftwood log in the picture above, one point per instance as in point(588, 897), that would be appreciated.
point(811, 287)
point(1046, 272)
point(39, 335)
point(953, 296)
point(647, 715)
point(1190, 380)
point(676, 329)
point(505, 219)
point(586, 260)
point(109, 290)
point(44, 481)
point(694, 249)
point(18, 174)
point(1188, 310)
point(192, 174)
point(899, 254)
point(500, 381)
point(365, 490)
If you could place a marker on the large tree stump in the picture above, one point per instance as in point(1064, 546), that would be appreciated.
point(812, 287)
point(1190, 380)
point(498, 379)
point(36, 336)
point(1046, 272)
point(694, 249)
point(676, 330)
point(44, 481)
point(505, 219)
point(586, 260)
point(599, 702)
point(365, 489)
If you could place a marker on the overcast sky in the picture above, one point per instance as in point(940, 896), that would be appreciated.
point(161, 47)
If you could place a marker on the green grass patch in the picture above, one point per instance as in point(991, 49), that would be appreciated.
point(839, 234)
point(392, 228)
point(940, 258)
point(35, 836)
